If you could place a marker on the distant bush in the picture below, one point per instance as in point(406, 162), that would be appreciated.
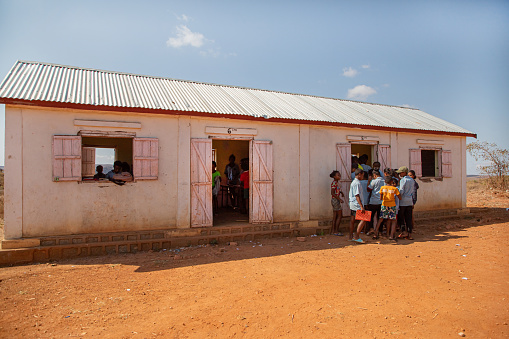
point(497, 160)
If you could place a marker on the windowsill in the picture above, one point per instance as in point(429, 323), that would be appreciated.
point(102, 182)
point(430, 179)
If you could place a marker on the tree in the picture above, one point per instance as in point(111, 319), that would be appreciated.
point(497, 160)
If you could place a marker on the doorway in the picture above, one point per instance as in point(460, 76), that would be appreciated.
point(231, 206)
point(360, 149)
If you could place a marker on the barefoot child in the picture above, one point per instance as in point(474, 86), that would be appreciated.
point(356, 198)
point(335, 191)
point(388, 209)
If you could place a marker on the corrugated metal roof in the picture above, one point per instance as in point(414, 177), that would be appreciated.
point(50, 83)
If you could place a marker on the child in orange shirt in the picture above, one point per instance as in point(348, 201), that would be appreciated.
point(388, 210)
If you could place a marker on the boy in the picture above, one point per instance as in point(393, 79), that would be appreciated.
point(375, 204)
point(388, 209)
point(376, 166)
point(356, 198)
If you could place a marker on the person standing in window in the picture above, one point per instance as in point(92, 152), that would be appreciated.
point(117, 169)
point(99, 174)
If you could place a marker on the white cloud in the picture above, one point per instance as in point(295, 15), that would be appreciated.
point(365, 66)
point(183, 17)
point(349, 72)
point(361, 92)
point(185, 37)
point(386, 85)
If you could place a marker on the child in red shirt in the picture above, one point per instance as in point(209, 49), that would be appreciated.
point(244, 178)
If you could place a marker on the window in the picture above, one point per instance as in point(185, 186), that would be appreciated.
point(431, 163)
point(74, 157)
point(429, 159)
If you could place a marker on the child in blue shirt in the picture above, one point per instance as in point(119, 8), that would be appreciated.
point(355, 199)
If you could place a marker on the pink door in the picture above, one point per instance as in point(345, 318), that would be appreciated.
point(262, 182)
point(344, 165)
point(384, 157)
point(201, 183)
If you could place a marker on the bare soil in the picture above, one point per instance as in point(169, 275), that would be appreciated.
point(454, 277)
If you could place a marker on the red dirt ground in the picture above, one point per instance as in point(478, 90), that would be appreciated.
point(452, 278)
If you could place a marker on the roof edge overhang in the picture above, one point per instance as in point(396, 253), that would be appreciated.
point(40, 103)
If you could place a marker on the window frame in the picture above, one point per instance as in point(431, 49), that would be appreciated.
point(66, 156)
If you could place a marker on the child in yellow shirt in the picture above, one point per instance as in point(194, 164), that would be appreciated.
point(388, 210)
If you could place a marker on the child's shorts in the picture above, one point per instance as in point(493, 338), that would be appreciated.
point(388, 212)
point(336, 204)
point(246, 193)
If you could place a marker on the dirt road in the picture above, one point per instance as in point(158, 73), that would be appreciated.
point(452, 278)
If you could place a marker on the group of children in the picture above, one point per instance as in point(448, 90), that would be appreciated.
point(236, 180)
point(390, 198)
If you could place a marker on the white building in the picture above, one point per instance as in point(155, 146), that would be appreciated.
point(170, 130)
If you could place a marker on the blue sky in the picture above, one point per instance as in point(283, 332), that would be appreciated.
point(447, 58)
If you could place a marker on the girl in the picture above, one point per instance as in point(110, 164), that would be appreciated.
point(335, 190)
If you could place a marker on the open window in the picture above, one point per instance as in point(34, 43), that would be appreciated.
point(431, 163)
point(75, 157)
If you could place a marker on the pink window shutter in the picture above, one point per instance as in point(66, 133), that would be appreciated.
point(145, 158)
point(263, 182)
point(384, 156)
point(415, 161)
point(344, 166)
point(447, 164)
point(201, 183)
point(88, 161)
point(66, 158)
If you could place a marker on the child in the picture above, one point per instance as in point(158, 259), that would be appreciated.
point(364, 185)
point(388, 209)
point(376, 166)
point(216, 186)
point(375, 204)
point(99, 174)
point(335, 191)
point(411, 174)
point(244, 178)
point(356, 198)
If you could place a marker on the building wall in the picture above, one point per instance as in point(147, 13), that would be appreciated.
point(303, 157)
point(40, 206)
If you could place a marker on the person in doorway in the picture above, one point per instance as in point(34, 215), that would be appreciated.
point(363, 159)
point(216, 186)
point(244, 182)
point(232, 173)
point(99, 174)
point(355, 199)
point(336, 201)
point(406, 188)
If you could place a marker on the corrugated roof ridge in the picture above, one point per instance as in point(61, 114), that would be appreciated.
point(195, 82)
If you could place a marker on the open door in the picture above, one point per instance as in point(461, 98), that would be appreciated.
point(201, 183)
point(384, 157)
point(344, 166)
point(262, 182)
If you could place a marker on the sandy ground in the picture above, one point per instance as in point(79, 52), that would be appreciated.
point(454, 277)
